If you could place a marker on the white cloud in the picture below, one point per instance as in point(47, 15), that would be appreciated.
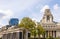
point(36, 16)
point(18, 6)
point(56, 12)
point(5, 14)
point(45, 7)
point(56, 7)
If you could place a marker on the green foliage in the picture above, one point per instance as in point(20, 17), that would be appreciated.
point(51, 37)
point(47, 38)
point(27, 23)
point(40, 29)
point(34, 31)
point(57, 38)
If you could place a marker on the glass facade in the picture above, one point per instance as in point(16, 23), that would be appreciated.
point(13, 21)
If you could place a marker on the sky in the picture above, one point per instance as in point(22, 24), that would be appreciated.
point(27, 8)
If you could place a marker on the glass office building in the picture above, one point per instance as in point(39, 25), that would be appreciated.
point(13, 21)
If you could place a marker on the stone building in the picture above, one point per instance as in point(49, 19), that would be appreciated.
point(51, 27)
point(13, 32)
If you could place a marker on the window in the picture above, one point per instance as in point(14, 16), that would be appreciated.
point(48, 18)
point(28, 34)
point(20, 35)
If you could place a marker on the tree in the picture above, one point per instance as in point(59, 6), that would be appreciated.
point(40, 30)
point(27, 24)
point(34, 32)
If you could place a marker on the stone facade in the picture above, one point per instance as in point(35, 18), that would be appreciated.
point(51, 27)
point(13, 32)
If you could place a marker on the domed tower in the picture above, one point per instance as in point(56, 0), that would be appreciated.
point(47, 17)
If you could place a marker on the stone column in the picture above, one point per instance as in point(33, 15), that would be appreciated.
point(4, 36)
point(54, 34)
point(46, 33)
point(17, 35)
point(50, 33)
point(11, 36)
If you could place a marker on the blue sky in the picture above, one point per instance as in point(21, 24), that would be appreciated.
point(31, 8)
